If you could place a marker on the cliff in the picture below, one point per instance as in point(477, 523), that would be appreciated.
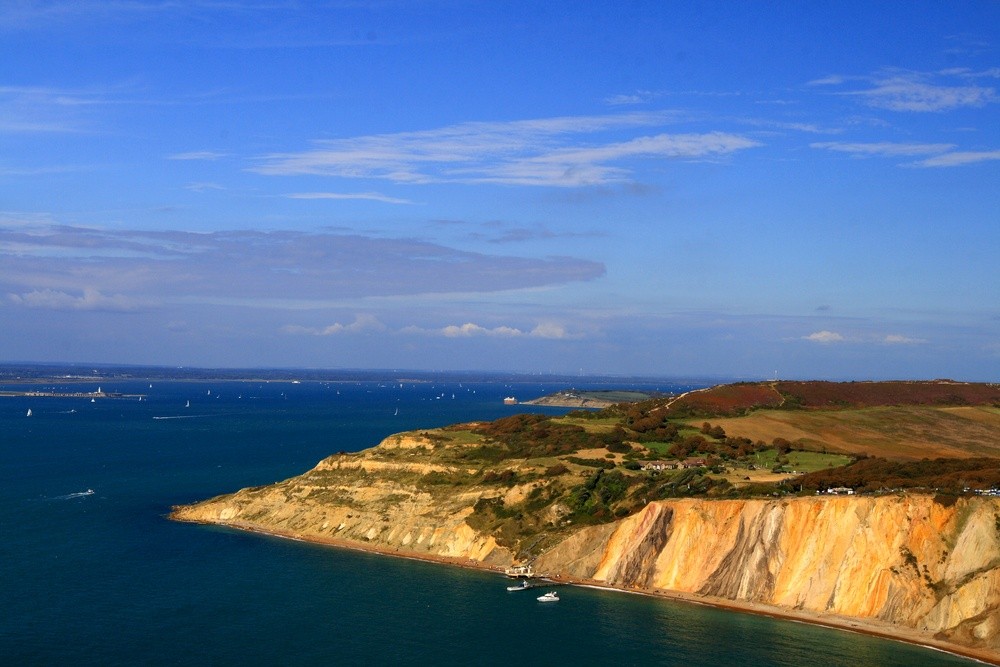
point(905, 561)
point(373, 500)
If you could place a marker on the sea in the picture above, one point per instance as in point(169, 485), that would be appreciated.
point(93, 573)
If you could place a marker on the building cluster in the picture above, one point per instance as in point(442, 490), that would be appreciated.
point(675, 465)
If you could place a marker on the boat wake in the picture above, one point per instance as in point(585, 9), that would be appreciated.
point(79, 494)
point(182, 417)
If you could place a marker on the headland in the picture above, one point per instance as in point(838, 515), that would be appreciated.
point(657, 498)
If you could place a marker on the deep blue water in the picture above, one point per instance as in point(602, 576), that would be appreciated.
point(105, 579)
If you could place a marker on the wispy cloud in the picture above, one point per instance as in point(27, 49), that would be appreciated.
point(267, 268)
point(198, 155)
point(543, 152)
point(370, 196)
point(959, 158)
point(898, 339)
point(903, 90)
point(826, 337)
point(39, 109)
point(203, 186)
point(883, 148)
point(90, 299)
point(40, 171)
point(628, 99)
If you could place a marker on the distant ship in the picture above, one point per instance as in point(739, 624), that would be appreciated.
point(29, 413)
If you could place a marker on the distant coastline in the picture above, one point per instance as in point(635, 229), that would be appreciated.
point(572, 398)
point(68, 394)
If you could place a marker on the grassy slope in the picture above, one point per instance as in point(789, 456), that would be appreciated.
point(530, 480)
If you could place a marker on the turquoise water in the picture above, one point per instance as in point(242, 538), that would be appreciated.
point(105, 579)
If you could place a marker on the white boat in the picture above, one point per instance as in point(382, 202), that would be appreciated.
point(29, 412)
point(523, 586)
point(549, 597)
point(188, 404)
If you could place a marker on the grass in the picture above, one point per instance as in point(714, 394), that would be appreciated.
point(800, 461)
point(462, 437)
point(659, 447)
point(596, 425)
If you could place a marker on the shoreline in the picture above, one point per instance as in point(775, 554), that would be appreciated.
point(844, 623)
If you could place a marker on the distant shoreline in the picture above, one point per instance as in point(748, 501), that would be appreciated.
point(849, 624)
point(65, 394)
point(592, 399)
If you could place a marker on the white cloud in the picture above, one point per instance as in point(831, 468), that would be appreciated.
point(884, 148)
point(916, 91)
point(638, 97)
point(551, 330)
point(824, 337)
point(897, 339)
point(547, 330)
point(372, 196)
point(533, 152)
point(361, 324)
point(470, 329)
point(958, 159)
point(832, 80)
point(904, 94)
point(91, 299)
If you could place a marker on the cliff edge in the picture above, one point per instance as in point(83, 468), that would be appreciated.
point(902, 560)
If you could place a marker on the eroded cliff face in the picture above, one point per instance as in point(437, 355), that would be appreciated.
point(373, 502)
point(905, 560)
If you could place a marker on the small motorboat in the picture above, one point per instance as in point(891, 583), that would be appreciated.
point(523, 586)
point(549, 597)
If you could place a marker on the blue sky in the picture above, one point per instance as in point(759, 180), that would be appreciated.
point(655, 188)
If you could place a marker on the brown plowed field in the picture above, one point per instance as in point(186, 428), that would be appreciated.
point(893, 432)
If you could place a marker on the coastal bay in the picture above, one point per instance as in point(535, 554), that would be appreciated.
point(109, 581)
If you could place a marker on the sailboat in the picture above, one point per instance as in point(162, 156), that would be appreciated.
point(393, 414)
point(188, 404)
point(29, 413)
